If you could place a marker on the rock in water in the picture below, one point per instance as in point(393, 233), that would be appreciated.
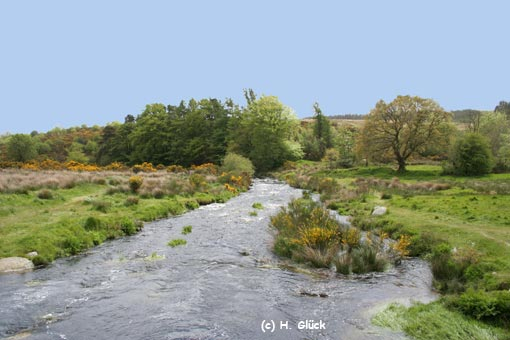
point(378, 211)
point(15, 264)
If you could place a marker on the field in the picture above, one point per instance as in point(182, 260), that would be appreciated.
point(61, 213)
point(460, 224)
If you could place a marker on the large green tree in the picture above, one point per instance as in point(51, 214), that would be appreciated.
point(264, 132)
point(21, 148)
point(402, 128)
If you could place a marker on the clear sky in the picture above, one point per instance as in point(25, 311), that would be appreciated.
point(67, 63)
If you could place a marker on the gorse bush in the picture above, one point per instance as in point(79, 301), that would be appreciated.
point(135, 182)
point(308, 233)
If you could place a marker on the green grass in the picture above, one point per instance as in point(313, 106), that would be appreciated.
point(176, 242)
point(186, 230)
point(257, 205)
point(434, 321)
point(472, 217)
point(81, 217)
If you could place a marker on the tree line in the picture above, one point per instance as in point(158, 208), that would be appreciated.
point(268, 133)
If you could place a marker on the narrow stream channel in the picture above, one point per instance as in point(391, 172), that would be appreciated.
point(222, 285)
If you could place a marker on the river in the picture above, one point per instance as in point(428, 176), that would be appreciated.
point(225, 283)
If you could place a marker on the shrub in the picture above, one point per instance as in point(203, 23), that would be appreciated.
point(176, 242)
point(40, 261)
point(144, 167)
point(343, 263)
point(197, 182)
point(102, 206)
point(175, 168)
point(186, 229)
point(131, 200)
point(206, 168)
point(285, 246)
point(366, 259)
point(45, 194)
point(386, 196)
point(486, 306)
point(135, 182)
point(237, 165)
point(450, 269)
point(423, 244)
point(471, 156)
point(129, 227)
point(158, 193)
point(191, 204)
point(318, 258)
point(362, 259)
point(92, 223)
point(253, 213)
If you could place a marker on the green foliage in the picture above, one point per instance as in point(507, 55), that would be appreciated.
point(21, 148)
point(470, 156)
point(253, 213)
point(481, 305)
point(257, 205)
point(237, 164)
point(186, 229)
point(261, 131)
point(434, 321)
point(366, 259)
point(101, 205)
point(176, 242)
point(129, 227)
point(154, 257)
point(92, 223)
point(131, 200)
point(402, 128)
point(322, 131)
point(503, 107)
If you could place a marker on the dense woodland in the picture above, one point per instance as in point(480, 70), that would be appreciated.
point(268, 133)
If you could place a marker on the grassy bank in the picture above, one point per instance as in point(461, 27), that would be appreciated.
point(461, 225)
point(61, 213)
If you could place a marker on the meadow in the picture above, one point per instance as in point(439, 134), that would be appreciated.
point(461, 225)
point(59, 213)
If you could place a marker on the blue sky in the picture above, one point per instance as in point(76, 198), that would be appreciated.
point(67, 63)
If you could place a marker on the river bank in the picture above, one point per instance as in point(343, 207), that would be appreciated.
point(459, 224)
point(222, 284)
point(46, 215)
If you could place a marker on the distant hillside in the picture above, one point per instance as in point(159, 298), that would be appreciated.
point(349, 116)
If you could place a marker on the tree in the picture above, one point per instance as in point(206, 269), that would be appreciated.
point(322, 130)
point(261, 132)
point(503, 107)
point(402, 128)
point(471, 155)
point(493, 125)
point(21, 148)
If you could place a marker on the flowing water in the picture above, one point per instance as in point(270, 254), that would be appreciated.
point(224, 284)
